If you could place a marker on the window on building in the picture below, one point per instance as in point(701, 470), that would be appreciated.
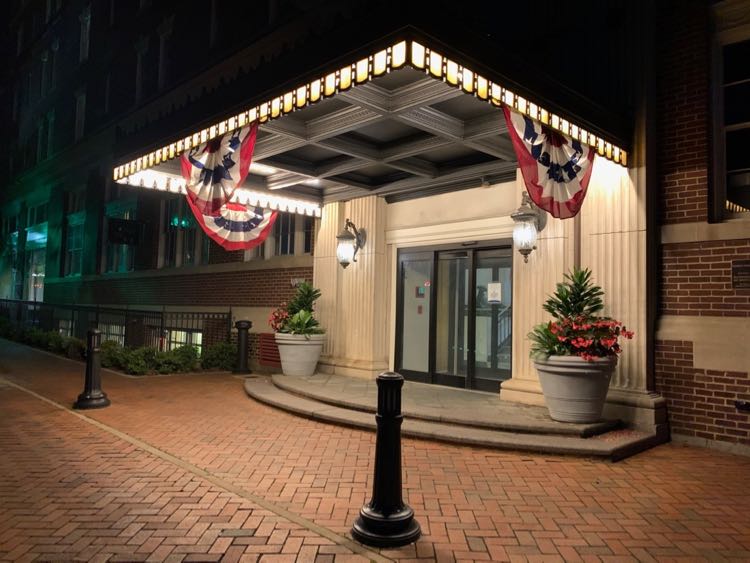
point(73, 245)
point(309, 233)
point(41, 139)
point(736, 92)
point(119, 257)
point(44, 79)
point(165, 31)
point(74, 225)
point(36, 214)
point(80, 115)
point(50, 132)
point(85, 19)
point(177, 338)
point(283, 234)
point(181, 241)
point(74, 201)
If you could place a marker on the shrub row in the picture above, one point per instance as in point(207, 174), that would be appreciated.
point(135, 361)
point(53, 341)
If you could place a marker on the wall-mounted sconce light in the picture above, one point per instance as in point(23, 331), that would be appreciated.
point(530, 221)
point(349, 242)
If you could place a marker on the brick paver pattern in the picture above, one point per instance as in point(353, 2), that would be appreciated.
point(69, 489)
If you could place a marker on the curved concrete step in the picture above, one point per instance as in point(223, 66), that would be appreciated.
point(362, 395)
point(613, 445)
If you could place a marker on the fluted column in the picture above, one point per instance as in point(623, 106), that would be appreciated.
point(354, 304)
point(325, 275)
point(533, 281)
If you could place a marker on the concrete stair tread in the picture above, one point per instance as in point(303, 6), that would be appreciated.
point(362, 395)
point(613, 445)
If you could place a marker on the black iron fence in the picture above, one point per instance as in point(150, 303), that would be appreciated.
point(162, 330)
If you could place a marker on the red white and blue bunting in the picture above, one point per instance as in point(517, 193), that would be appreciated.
point(213, 171)
point(556, 168)
point(237, 226)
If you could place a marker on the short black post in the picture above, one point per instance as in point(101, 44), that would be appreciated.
point(386, 521)
point(242, 343)
point(92, 397)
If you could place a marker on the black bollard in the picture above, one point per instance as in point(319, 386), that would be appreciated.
point(386, 521)
point(242, 343)
point(92, 397)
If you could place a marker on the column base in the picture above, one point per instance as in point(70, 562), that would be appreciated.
point(362, 369)
point(395, 530)
point(93, 400)
point(522, 391)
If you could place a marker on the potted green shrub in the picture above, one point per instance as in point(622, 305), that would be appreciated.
point(298, 334)
point(576, 352)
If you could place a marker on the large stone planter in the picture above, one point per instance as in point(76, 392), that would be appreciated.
point(299, 353)
point(575, 389)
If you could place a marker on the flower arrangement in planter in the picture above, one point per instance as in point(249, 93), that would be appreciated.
point(576, 352)
point(298, 333)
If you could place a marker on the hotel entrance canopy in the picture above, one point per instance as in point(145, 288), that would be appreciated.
point(405, 120)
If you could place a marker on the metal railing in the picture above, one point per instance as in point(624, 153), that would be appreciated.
point(162, 330)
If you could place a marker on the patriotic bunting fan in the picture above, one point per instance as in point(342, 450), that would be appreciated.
point(213, 171)
point(556, 168)
point(237, 227)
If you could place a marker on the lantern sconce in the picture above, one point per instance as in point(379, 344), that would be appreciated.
point(529, 222)
point(349, 242)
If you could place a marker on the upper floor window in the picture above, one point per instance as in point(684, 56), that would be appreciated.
point(9, 225)
point(80, 115)
point(73, 244)
point(36, 214)
point(83, 48)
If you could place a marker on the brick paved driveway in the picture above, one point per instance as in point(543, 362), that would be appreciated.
point(188, 466)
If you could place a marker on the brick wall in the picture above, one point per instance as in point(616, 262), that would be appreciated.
point(218, 255)
point(683, 121)
point(696, 279)
point(701, 401)
point(250, 288)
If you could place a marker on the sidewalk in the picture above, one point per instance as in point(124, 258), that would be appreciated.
point(189, 467)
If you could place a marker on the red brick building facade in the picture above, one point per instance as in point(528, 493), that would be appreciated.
point(700, 236)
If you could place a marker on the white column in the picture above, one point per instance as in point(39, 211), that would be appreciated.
point(533, 281)
point(354, 302)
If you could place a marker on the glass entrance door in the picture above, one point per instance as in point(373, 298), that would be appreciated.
point(454, 316)
point(414, 305)
point(493, 320)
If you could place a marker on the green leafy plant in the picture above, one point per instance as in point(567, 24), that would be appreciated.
point(304, 299)
point(297, 317)
point(576, 330)
point(75, 348)
point(302, 322)
point(55, 342)
point(222, 355)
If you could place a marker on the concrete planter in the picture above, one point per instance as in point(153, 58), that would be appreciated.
point(574, 389)
point(299, 353)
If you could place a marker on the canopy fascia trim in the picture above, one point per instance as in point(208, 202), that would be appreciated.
point(399, 55)
point(170, 183)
